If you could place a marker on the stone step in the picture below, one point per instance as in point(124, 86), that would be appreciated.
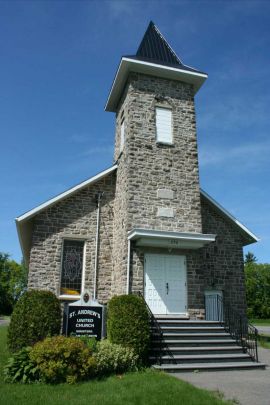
point(185, 329)
point(200, 349)
point(173, 316)
point(177, 368)
point(179, 322)
point(193, 336)
point(195, 342)
point(202, 358)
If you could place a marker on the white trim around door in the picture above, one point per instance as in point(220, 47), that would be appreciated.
point(165, 283)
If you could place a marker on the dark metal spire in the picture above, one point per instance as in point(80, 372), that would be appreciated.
point(154, 46)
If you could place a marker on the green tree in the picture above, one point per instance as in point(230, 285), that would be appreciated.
point(258, 289)
point(13, 282)
point(250, 258)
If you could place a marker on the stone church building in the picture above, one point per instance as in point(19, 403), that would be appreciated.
point(142, 225)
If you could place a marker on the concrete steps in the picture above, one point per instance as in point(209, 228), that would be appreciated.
point(177, 368)
point(196, 345)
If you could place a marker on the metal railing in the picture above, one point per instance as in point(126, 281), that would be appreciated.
point(156, 334)
point(245, 334)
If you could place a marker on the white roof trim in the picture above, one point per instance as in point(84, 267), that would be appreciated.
point(192, 236)
point(128, 65)
point(65, 194)
point(173, 240)
point(224, 211)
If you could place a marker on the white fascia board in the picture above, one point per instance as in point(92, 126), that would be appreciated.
point(64, 195)
point(132, 65)
point(138, 233)
point(230, 216)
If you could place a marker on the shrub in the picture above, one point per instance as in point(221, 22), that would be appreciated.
point(128, 323)
point(36, 315)
point(63, 359)
point(113, 358)
point(20, 368)
point(90, 342)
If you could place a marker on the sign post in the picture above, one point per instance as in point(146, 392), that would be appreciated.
point(84, 317)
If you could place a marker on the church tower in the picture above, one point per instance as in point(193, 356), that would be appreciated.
point(157, 188)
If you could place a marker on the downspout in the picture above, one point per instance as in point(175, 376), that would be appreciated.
point(98, 197)
point(128, 266)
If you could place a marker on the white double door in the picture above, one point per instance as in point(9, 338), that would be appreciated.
point(165, 283)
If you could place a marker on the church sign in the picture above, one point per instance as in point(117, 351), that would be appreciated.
point(84, 319)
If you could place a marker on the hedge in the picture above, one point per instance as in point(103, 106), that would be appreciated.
point(128, 323)
point(36, 315)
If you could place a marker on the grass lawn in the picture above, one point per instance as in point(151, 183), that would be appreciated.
point(260, 322)
point(148, 387)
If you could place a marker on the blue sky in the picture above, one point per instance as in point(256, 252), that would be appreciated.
point(58, 60)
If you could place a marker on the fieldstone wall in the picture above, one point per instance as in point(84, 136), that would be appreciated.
point(157, 185)
point(218, 266)
point(222, 264)
point(74, 217)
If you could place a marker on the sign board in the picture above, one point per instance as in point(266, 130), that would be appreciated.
point(84, 318)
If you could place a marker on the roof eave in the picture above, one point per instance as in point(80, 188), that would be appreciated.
point(24, 222)
point(250, 236)
point(167, 72)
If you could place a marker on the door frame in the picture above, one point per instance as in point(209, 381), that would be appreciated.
point(185, 274)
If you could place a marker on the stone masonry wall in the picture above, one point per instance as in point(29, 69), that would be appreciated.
point(144, 166)
point(218, 266)
point(74, 217)
point(222, 261)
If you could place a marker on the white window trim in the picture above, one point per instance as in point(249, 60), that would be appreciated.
point(122, 134)
point(160, 142)
point(66, 296)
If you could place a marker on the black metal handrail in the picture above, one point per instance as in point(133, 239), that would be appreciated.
point(245, 334)
point(157, 332)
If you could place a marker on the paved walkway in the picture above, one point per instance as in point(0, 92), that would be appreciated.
point(265, 330)
point(249, 387)
point(3, 321)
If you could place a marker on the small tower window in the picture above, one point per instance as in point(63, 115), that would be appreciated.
point(122, 135)
point(164, 125)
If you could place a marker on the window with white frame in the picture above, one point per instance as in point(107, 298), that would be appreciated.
point(122, 135)
point(72, 267)
point(164, 125)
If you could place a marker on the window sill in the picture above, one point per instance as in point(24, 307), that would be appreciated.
point(69, 297)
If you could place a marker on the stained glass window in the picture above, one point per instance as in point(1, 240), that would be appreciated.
point(72, 265)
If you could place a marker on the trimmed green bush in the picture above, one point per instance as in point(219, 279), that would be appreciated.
point(20, 368)
point(128, 323)
point(36, 315)
point(112, 358)
point(63, 359)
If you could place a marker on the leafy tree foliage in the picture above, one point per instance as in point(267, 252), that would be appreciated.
point(250, 258)
point(13, 282)
point(258, 289)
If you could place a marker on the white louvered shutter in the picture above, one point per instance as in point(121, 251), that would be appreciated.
point(164, 125)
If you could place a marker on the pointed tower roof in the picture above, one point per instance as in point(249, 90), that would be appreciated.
point(155, 47)
point(154, 57)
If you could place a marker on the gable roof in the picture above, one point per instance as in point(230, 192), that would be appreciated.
point(248, 235)
point(24, 222)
